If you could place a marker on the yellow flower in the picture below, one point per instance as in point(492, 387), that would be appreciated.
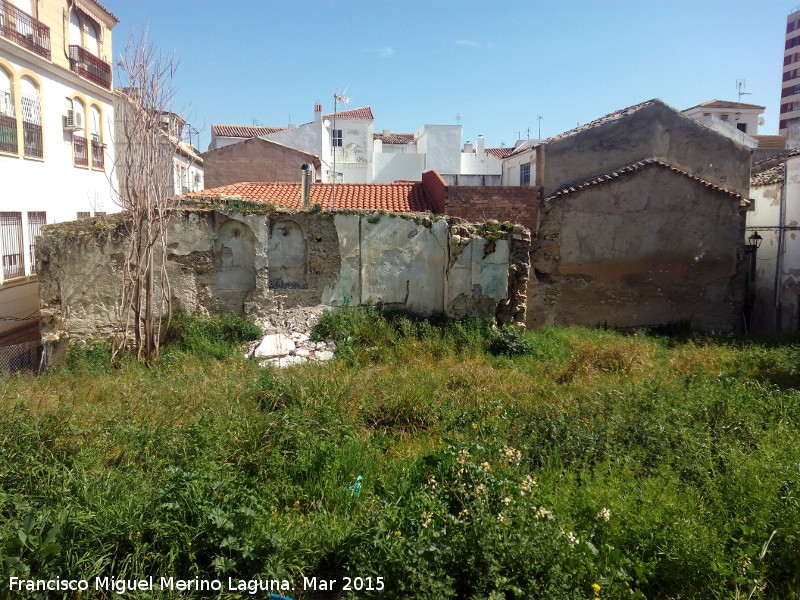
point(596, 589)
point(474, 425)
point(138, 533)
point(398, 533)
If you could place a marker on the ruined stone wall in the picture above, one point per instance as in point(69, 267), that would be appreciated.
point(252, 264)
point(648, 249)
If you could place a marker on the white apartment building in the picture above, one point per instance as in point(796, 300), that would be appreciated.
point(56, 128)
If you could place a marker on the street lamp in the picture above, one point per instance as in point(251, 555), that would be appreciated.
point(754, 241)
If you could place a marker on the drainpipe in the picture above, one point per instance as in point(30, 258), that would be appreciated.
point(781, 246)
point(305, 186)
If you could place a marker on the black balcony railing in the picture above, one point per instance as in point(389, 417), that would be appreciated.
point(8, 134)
point(88, 66)
point(21, 28)
point(79, 151)
point(32, 139)
point(97, 154)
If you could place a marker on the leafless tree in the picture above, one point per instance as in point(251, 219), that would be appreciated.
point(143, 166)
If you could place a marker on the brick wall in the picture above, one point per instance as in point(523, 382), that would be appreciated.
point(254, 160)
point(502, 203)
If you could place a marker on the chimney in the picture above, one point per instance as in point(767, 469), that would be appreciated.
point(305, 185)
point(318, 113)
point(468, 147)
point(479, 148)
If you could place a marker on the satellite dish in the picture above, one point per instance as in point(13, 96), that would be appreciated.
point(760, 121)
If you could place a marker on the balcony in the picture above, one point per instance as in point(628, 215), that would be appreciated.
point(88, 66)
point(21, 28)
point(79, 151)
point(97, 154)
point(32, 140)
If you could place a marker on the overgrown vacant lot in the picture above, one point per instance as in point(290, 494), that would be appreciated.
point(565, 463)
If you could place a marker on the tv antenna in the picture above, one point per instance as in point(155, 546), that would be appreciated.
point(339, 96)
point(539, 117)
point(741, 84)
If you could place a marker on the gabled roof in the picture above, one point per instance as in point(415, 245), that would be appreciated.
point(256, 141)
point(773, 175)
point(394, 138)
point(635, 167)
point(365, 112)
point(726, 104)
point(398, 197)
point(244, 131)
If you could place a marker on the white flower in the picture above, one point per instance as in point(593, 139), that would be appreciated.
point(463, 455)
point(543, 513)
point(506, 501)
point(486, 467)
point(529, 483)
point(501, 517)
point(432, 481)
point(604, 515)
point(512, 455)
point(572, 539)
point(427, 517)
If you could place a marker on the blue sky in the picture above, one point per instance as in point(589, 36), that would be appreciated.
point(497, 64)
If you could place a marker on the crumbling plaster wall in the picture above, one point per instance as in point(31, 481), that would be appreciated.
point(648, 249)
point(224, 261)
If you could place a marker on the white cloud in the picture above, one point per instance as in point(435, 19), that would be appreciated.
point(468, 43)
point(382, 52)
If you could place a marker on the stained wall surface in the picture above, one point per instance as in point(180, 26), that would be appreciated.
point(251, 264)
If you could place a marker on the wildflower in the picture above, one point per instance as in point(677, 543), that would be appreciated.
point(528, 483)
point(138, 534)
point(596, 589)
point(480, 489)
point(398, 533)
point(464, 513)
point(512, 455)
point(474, 425)
point(427, 517)
point(463, 455)
point(604, 515)
point(572, 539)
point(432, 481)
point(543, 513)
point(501, 517)
point(506, 501)
point(486, 467)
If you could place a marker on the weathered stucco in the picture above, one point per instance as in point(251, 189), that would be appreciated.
point(224, 261)
point(648, 249)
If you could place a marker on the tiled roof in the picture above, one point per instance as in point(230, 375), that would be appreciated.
point(777, 142)
point(633, 168)
point(244, 131)
point(725, 104)
point(773, 175)
point(365, 112)
point(496, 152)
point(398, 197)
point(394, 138)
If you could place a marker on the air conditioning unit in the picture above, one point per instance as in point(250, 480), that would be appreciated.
point(73, 120)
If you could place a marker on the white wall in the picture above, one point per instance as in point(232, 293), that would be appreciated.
point(765, 219)
point(473, 163)
point(354, 157)
point(511, 167)
point(441, 145)
point(313, 138)
point(749, 117)
point(387, 168)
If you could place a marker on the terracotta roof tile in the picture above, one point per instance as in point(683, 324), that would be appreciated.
point(244, 131)
point(724, 104)
point(398, 197)
point(776, 142)
point(394, 138)
point(633, 168)
point(365, 112)
point(496, 152)
point(773, 175)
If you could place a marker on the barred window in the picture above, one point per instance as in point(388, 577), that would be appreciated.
point(11, 244)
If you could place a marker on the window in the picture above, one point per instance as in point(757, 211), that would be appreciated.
point(337, 138)
point(525, 174)
point(742, 127)
point(80, 151)
point(31, 119)
point(35, 222)
point(724, 117)
point(97, 138)
point(8, 122)
point(11, 244)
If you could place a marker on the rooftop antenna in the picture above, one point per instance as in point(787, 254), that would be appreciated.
point(255, 122)
point(741, 84)
point(338, 97)
point(458, 118)
point(539, 117)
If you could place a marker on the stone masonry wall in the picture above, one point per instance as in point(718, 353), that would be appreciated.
point(254, 264)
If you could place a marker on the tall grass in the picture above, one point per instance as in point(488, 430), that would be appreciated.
point(652, 467)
